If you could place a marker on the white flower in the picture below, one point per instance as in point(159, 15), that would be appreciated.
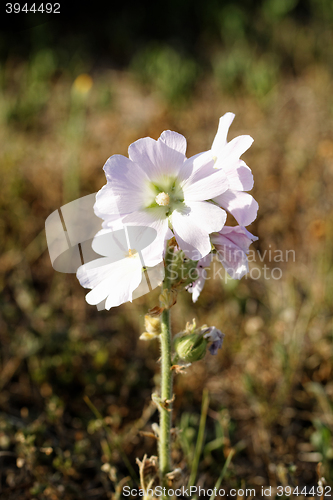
point(129, 269)
point(158, 186)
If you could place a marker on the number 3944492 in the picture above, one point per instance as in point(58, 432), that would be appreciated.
point(43, 8)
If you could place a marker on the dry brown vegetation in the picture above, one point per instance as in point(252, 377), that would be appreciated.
point(270, 387)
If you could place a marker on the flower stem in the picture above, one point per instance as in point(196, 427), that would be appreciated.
point(166, 379)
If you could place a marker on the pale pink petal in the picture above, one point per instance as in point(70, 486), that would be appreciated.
point(152, 255)
point(102, 276)
point(152, 277)
point(220, 139)
point(140, 152)
point(233, 151)
point(174, 141)
point(145, 239)
point(232, 245)
point(196, 288)
point(156, 158)
point(123, 292)
point(156, 219)
point(239, 176)
point(120, 167)
point(241, 205)
point(205, 261)
point(234, 260)
point(206, 215)
point(190, 238)
point(192, 225)
point(111, 243)
point(90, 274)
point(238, 235)
point(205, 182)
point(126, 189)
point(192, 165)
point(116, 243)
point(116, 199)
point(111, 221)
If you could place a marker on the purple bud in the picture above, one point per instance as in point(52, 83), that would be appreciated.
point(216, 337)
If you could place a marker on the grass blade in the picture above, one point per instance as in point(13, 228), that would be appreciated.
point(224, 470)
point(200, 440)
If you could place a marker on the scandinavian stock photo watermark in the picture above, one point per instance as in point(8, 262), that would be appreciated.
point(262, 265)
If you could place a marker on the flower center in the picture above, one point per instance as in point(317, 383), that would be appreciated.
point(164, 195)
point(131, 252)
point(162, 199)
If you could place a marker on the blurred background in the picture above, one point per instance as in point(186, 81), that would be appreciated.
point(76, 384)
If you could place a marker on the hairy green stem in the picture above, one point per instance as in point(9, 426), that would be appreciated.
point(166, 379)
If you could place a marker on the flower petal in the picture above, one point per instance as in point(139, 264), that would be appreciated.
point(232, 244)
point(206, 215)
point(239, 176)
point(234, 260)
point(126, 189)
point(116, 200)
point(116, 243)
point(114, 222)
point(157, 220)
point(216, 337)
point(111, 244)
point(198, 285)
point(157, 158)
point(126, 274)
point(241, 205)
point(90, 274)
point(101, 276)
point(233, 150)
point(237, 235)
point(220, 139)
point(192, 225)
point(174, 141)
point(192, 165)
point(140, 152)
point(152, 277)
point(197, 288)
point(205, 261)
point(119, 166)
point(190, 238)
point(205, 182)
point(123, 292)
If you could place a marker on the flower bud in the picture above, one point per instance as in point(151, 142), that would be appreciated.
point(153, 328)
point(168, 298)
point(191, 347)
point(212, 334)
